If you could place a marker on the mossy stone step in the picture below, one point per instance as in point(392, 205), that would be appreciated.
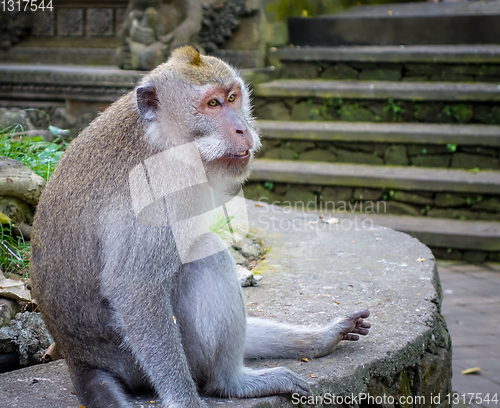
point(415, 23)
point(453, 54)
point(442, 233)
point(440, 63)
point(414, 91)
point(415, 133)
point(390, 177)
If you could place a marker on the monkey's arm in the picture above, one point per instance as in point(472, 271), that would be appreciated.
point(138, 286)
point(268, 339)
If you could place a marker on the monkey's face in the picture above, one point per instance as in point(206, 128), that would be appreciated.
point(201, 99)
point(228, 146)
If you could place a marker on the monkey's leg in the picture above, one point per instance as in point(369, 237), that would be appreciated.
point(149, 326)
point(268, 339)
point(98, 388)
point(211, 314)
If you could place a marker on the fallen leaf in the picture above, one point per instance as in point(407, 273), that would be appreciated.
point(331, 221)
point(421, 259)
point(52, 353)
point(14, 289)
point(305, 360)
point(473, 370)
point(175, 319)
point(258, 205)
point(4, 219)
point(313, 376)
point(338, 303)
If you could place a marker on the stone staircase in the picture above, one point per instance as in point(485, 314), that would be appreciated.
point(406, 136)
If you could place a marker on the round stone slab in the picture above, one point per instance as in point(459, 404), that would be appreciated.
point(316, 271)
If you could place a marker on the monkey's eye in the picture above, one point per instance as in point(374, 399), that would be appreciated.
point(231, 98)
point(213, 102)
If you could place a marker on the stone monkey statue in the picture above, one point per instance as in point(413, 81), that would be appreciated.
point(152, 28)
point(131, 296)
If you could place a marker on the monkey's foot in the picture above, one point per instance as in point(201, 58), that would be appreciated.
point(354, 325)
point(346, 328)
point(260, 383)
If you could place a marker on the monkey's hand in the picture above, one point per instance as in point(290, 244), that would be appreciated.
point(347, 328)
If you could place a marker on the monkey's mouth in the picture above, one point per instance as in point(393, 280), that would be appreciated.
point(239, 155)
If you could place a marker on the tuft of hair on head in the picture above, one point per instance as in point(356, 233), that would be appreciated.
point(187, 54)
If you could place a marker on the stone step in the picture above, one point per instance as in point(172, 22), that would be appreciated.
point(385, 177)
point(441, 233)
point(405, 91)
point(452, 54)
point(417, 133)
point(407, 23)
point(455, 63)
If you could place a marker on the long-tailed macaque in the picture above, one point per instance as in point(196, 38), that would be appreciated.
point(131, 296)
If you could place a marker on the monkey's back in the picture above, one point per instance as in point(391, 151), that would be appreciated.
point(66, 246)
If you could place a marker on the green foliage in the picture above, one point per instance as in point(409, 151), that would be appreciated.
point(395, 108)
point(14, 251)
point(452, 147)
point(268, 185)
point(41, 157)
point(36, 153)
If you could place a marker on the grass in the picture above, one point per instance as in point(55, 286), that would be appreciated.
point(35, 153)
point(41, 157)
point(14, 251)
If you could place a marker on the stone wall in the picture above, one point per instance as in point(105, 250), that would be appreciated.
point(79, 20)
point(365, 110)
point(378, 201)
point(407, 71)
point(419, 155)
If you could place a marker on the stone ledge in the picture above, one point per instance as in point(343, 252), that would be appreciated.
point(313, 273)
point(360, 175)
point(50, 82)
point(484, 135)
point(407, 23)
point(454, 54)
point(414, 91)
point(441, 233)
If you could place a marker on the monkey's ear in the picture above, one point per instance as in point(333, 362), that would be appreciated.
point(147, 101)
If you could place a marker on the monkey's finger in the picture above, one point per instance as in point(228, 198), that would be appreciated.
point(361, 331)
point(364, 324)
point(351, 337)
